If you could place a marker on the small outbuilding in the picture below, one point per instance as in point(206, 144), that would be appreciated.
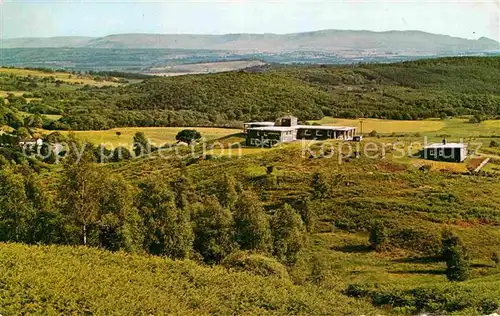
point(452, 152)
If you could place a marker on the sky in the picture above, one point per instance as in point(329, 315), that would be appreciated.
point(32, 18)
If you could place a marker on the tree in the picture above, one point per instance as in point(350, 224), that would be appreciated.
point(183, 191)
point(378, 236)
point(188, 136)
point(251, 223)
point(456, 257)
point(167, 228)
point(119, 221)
point(288, 234)
point(35, 121)
point(80, 190)
point(317, 275)
point(22, 133)
point(16, 212)
point(226, 191)
point(142, 145)
point(457, 264)
point(308, 215)
point(213, 229)
point(121, 153)
point(476, 119)
point(319, 186)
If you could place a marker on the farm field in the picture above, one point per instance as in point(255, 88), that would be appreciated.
point(454, 127)
point(158, 135)
point(385, 126)
point(63, 76)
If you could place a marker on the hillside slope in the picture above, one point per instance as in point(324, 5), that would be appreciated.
point(69, 280)
point(327, 40)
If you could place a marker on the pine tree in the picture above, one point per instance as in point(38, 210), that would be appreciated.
point(456, 257)
point(308, 215)
point(251, 223)
point(288, 234)
point(320, 186)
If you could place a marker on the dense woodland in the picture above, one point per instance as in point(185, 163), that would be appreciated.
point(404, 91)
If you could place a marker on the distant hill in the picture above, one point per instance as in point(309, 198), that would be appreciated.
point(325, 41)
point(43, 42)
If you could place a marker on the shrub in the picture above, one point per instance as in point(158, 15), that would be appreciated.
point(255, 263)
point(476, 119)
point(320, 186)
point(373, 133)
point(455, 255)
point(440, 300)
point(378, 236)
point(495, 258)
point(421, 241)
point(457, 265)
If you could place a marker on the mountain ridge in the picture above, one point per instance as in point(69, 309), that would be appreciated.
point(323, 40)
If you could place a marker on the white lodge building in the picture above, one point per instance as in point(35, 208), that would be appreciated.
point(268, 134)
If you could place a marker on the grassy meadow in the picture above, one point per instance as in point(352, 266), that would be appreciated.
point(63, 76)
point(455, 128)
point(158, 135)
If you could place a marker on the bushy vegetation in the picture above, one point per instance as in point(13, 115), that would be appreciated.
point(77, 280)
point(430, 299)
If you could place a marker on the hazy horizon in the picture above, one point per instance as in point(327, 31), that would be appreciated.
point(220, 34)
point(90, 18)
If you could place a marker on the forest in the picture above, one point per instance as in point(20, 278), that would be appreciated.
point(415, 90)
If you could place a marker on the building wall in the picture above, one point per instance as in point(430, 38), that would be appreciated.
point(312, 133)
point(446, 154)
point(268, 138)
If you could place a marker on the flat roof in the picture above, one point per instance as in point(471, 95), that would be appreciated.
point(447, 145)
point(260, 123)
point(325, 127)
point(273, 128)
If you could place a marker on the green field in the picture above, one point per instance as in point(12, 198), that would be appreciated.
point(63, 76)
point(453, 127)
point(159, 136)
point(385, 126)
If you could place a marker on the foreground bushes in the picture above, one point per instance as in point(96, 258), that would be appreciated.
point(255, 263)
point(66, 280)
point(445, 299)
